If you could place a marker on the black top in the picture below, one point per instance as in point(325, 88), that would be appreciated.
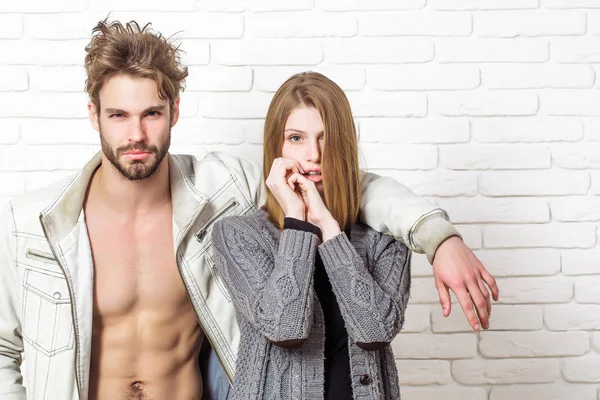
point(338, 384)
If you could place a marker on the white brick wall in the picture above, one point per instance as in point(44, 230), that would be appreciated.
point(490, 108)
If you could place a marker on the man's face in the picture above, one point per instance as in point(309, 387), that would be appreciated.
point(134, 125)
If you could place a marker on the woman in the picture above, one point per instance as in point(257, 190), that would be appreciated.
point(318, 295)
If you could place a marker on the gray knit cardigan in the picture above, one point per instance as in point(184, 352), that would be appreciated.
point(269, 274)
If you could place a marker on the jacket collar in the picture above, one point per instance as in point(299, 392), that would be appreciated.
point(62, 215)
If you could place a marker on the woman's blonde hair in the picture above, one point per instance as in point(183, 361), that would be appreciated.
point(339, 161)
point(129, 49)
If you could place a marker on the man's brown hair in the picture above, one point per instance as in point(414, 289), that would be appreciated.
point(339, 161)
point(139, 52)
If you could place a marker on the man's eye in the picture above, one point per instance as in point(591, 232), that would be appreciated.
point(153, 114)
point(115, 116)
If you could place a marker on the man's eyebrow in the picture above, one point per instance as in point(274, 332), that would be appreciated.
point(159, 107)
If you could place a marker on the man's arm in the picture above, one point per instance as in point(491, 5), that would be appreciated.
point(11, 343)
point(390, 207)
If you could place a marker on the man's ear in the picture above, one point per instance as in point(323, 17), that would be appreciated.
point(175, 112)
point(93, 111)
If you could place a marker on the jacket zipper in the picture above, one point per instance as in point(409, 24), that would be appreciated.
point(73, 315)
point(39, 255)
point(202, 232)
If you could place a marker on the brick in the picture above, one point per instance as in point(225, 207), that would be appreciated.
point(450, 5)
point(388, 104)
point(484, 104)
point(196, 52)
point(572, 209)
point(478, 157)
point(593, 20)
point(455, 322)
point(512, 24)
point(490, 210)
point(423, 291)
point(219, 79)
point(472, 235)
point(533, 344)
point(13, 79)
point(400, 156)
point(497, 372)
point(57, 79)
point(416, 319)
point(536, 76)
point(450, 392)
point(520, 262)
point(11, 184)
point(11, 26)
point(519, 129)
point(491, 50)
point(269, 79)
point(300, 25)
point(575, 50)
point(419, 266)
point(571, 317)
point(209, 131)
point(378, 51)
point(423, 77)
point(254, 131)
point(224, 6)
point(577, 156)
point(551, 235)
point(373, 5)
point(40, 179)
point(233, 105)
point(516, 318)
point(42, 52)
point(423, 372)
point(142, 5)
point(586, 291)
point(595, 182)
point(415, 24)
point(562, 4)
point(189, 104)
point(591, 128)
point(55, 105)
point(42, 6)
point(422, 346)
point(41, 158)
point(267, 52)
point(538, 290)
point(437, 183)
point(414, 130)
point(544, 392)
point(58, 131)
point(64, 26)
point(534, 183)
point(580, 262)
point(583, 369)
point(596, 340)
point(10, 131)
point(276, 5)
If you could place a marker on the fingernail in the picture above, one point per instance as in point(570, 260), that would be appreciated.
point(477, 327)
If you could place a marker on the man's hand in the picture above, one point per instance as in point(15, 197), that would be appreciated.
point(456, 268)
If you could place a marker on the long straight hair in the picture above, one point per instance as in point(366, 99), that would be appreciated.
point(339, 161)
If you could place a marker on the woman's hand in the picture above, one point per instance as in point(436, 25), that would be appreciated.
point(285, 194)
point(316, 211)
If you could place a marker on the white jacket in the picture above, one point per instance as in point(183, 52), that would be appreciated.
point(46, 268)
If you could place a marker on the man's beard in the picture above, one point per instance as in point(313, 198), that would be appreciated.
point(138, 169)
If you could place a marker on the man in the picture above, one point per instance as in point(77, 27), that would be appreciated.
point(109, 288)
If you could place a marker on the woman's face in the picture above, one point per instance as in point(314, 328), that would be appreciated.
point(303, 140)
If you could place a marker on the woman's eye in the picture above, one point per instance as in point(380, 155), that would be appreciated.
point(295, 138)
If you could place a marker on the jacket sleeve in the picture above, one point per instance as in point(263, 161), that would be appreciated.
point(372, 300)
point(271, 285)
point(391, 208)
point(11, 341)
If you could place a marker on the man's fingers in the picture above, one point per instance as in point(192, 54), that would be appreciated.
point(444, 295)
point(467, 305)
point(481, 306)
point(486, 295)
point(491, 282)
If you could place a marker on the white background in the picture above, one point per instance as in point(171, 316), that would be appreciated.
point(489, 108)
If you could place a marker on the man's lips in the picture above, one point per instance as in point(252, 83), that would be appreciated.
point(136, 154)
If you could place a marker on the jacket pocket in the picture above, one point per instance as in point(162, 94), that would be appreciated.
point(47, 318)
point(222, 212)
point(217, 277)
